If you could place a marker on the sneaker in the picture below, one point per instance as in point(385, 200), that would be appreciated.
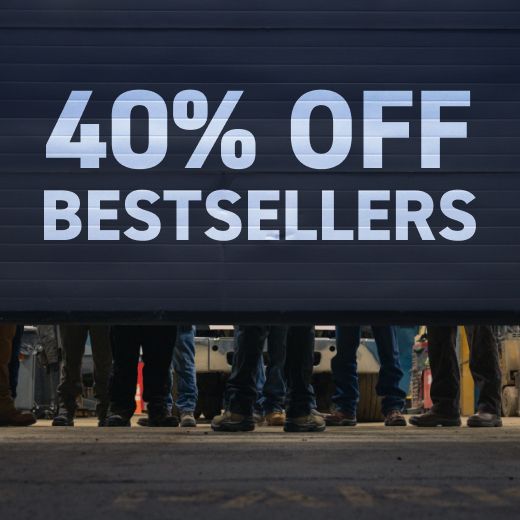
point(116, 421)
point(188, 420)
point(14, 417)
point(306, 423)
point(431, 419)
point(64, 418)
point(484, 420)
point(395, 418)
point(276, 418)
point(339, 418)
point(233, 422)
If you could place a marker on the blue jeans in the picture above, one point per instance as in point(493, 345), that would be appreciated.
point(344, 369)
point(406, 340)
point(183, 364)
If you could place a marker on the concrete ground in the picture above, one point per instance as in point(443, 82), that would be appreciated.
point(363, 472)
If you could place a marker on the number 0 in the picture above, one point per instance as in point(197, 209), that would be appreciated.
point(157, 129)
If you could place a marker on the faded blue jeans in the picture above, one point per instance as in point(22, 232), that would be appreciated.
point(344, 369)
point(183, 364)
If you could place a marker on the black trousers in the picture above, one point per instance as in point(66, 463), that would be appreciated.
point(157, 342)
point(483, 363)
point(73, 338)
point(241, 385)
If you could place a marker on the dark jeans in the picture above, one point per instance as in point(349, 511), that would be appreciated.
point(242, 383)
point(14, 364)
point(344, 369)
point(73, 339)
point(271, 384)
point(483, 363)
point(183, 366)
point(157, 343)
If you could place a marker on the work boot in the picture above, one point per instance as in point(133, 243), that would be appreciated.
point(484, 420)
point(14, 417)
point(259, 418)
point(65, 417)
point(233, 422)
point(101, 413)
point(432, 418)
point(305, 423)
point(188, 420)
point(162, 419)
point(117, 421)
point(339, 418)
point(395, 418)
point(275, 418)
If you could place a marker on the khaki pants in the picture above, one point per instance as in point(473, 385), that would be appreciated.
point(7, 332)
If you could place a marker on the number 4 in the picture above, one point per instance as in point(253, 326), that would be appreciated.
point(89, 149)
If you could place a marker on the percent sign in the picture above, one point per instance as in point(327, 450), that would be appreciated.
point(237, 146)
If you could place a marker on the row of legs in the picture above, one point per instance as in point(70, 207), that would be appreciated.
point(291, 350)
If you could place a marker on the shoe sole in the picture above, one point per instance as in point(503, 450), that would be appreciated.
point(11, 425)
point(190, 425)
point(296, 428)
point(346, 422)
point(399, 424)
point(62, 424)
point(447, 423)
point(486, 424)
point(234, 427)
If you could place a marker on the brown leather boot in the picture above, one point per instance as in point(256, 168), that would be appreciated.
point(14, 417)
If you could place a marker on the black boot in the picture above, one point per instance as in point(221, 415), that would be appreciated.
point(432, 418)
point(484, 419)
point(65, 416)
point(162, 418)
point(101, 413)
point(116, 420)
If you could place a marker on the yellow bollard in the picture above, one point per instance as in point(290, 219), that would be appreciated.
point(467, 386)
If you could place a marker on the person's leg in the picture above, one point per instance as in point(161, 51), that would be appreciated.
point(102, 357)
point(241, 386)
point(344, 370)
point(158, 342)
point(299, 366)
point(169, 397)
point(126, 343)
point(73, 338)
point(485, 369)
point(275, 388)
point(260, 383)
point(390, 375)
point(242, 381)
point(7, 332)
point(9, 416)
point(184, 368)
point(445, 387)
point(14, 363)
point(405, 342)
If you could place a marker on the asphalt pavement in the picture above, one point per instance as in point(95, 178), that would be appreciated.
point(364, 472)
